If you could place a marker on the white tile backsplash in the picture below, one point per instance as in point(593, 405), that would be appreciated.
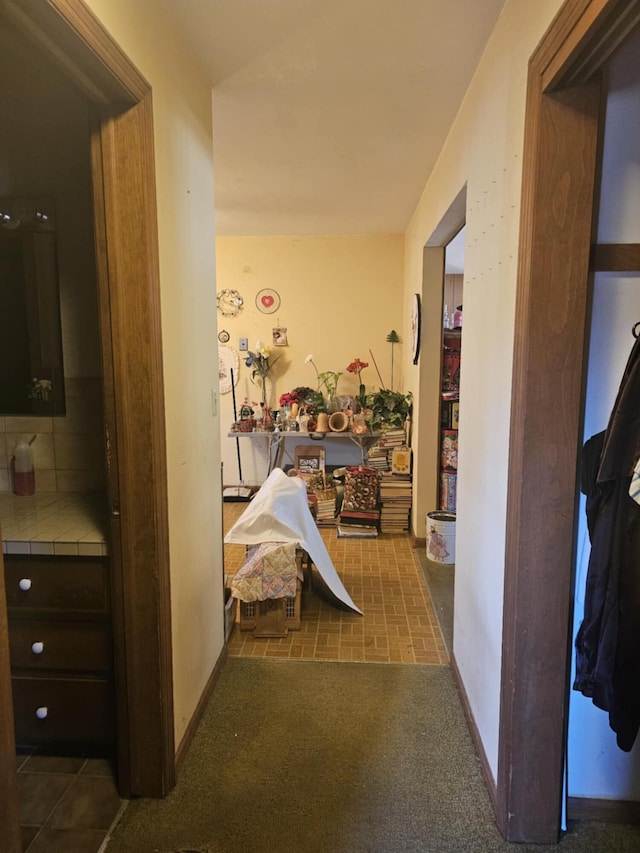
point(80, 481)
point(46, 480)
point(68, 451)
point(27, 426)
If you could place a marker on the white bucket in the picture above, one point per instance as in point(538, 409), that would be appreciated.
point(441, 536)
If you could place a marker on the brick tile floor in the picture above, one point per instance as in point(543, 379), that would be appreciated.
point(384, 578)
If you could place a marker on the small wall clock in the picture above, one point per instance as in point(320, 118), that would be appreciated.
point(267, 301)
point(229, 302)
point(416, 326)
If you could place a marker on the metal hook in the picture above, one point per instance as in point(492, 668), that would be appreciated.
point(634, 329)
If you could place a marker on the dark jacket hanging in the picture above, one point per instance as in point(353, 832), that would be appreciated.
point(608, 642)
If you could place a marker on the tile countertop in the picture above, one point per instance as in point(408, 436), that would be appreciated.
point(54, 523)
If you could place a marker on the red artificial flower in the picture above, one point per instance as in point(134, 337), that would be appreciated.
point(289, 398)
point(356, 366)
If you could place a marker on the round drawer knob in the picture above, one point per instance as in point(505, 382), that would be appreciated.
point(25, 584)
point(41, 713)
point(37, 648)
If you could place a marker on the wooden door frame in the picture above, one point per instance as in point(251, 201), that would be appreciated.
point(562, 125)
point(10, 835)
point(123, 172)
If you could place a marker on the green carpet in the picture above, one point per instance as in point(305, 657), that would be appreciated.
point(315, 757)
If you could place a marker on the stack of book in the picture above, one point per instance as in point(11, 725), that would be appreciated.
point(326, 510)
point(353, 524)
point(393, 438)
point(378, 458)
point(395, 500)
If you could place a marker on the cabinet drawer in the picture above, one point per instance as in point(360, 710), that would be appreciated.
point(57, 583)
point(65, 646)
point(77, 712)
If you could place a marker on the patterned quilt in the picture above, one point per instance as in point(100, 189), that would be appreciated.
point(270, 571)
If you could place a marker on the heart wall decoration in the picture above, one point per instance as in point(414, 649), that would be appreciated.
point(267, 301)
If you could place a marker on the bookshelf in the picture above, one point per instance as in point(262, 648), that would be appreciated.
point(449, 405)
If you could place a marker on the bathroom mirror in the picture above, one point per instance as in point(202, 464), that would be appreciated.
point(31, 371)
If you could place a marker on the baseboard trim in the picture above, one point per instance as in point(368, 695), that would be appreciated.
point(194, 722)
point(607, 811)
point(485, 769)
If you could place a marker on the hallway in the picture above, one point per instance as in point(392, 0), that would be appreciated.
point(68, 804)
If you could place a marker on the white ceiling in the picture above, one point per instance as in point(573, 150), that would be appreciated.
point(329, 114)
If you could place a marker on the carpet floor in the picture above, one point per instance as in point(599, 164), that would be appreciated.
point(329, 757)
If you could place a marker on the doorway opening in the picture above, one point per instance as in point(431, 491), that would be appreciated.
point(118, 145)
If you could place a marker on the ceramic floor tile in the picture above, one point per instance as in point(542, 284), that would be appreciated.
point(99, 767)
point(53, 764)
point(67, 841)
point(90, 802)
point(21, 758)
point(39, 793)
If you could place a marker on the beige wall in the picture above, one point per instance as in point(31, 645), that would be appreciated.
point(182, 126)
point(340, 297)
point(483, 151)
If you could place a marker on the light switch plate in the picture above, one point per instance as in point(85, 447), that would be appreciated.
point(244, 344)
point(214, 402)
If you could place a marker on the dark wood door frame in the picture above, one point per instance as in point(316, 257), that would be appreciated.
point(562, 126)
point(127, 259)
point(10, 835)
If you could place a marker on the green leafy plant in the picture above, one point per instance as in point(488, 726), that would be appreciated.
point(389, 409)
point(327, 379)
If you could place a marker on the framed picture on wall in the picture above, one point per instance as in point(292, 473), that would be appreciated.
point(279, 336)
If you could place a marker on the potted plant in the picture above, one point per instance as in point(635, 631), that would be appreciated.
point(389, 409)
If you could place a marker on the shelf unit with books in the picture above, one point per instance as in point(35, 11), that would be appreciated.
point(449, 403)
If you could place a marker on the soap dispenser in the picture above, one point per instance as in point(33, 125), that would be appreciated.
point(24, 478)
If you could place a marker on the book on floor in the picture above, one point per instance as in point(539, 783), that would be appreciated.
point(353, 531)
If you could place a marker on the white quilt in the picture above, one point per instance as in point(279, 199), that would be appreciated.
point(279, 512)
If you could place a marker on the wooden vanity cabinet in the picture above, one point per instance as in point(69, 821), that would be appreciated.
point(61, 650)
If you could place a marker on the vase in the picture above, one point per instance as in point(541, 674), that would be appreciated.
point(267, 419)
point(359, 425)
point(332, 404)
point(265, 399)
